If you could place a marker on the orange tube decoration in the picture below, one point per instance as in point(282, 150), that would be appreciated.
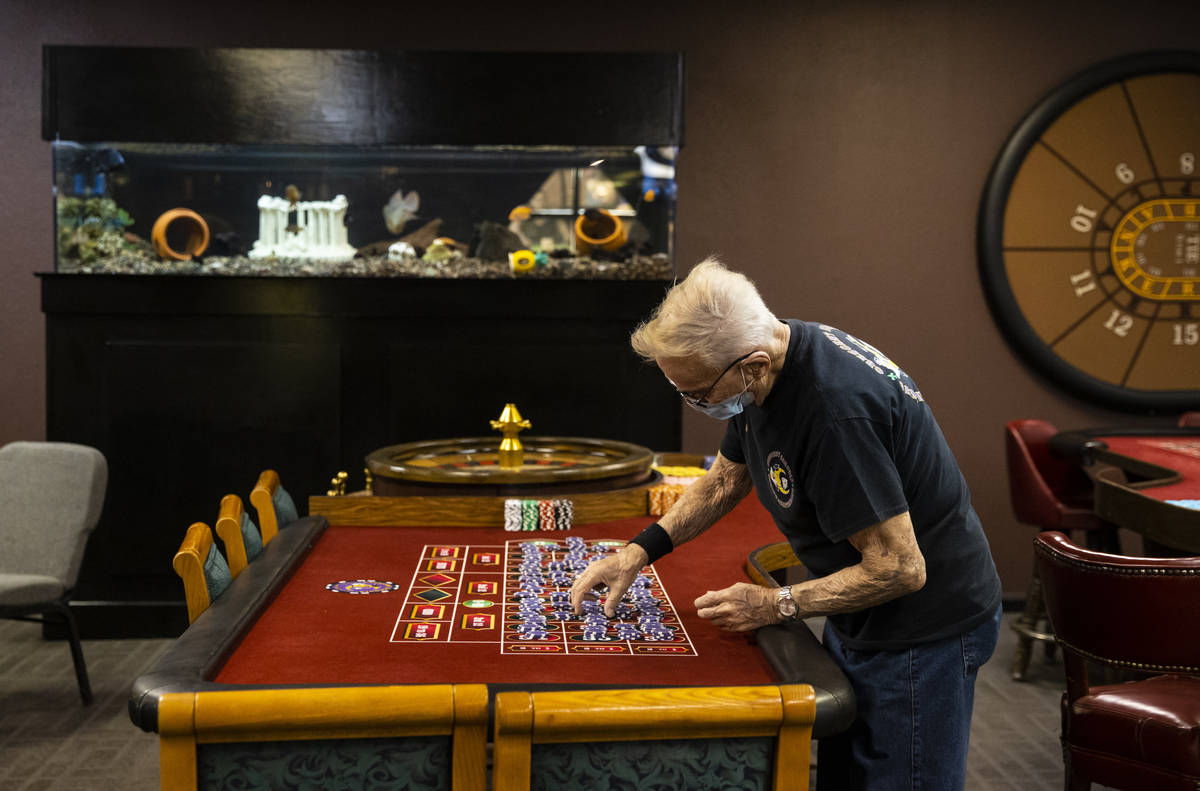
point(197, 234)
point(598, 229)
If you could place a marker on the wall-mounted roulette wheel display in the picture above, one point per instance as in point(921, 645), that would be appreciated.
point(1089, 234)
point(471, 465)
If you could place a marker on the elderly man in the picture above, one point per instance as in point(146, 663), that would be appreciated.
point(845, 454)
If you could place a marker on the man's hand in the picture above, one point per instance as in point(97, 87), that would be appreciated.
point(739, 608)
point(617, 571)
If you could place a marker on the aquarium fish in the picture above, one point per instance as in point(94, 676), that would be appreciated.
point(400, 209)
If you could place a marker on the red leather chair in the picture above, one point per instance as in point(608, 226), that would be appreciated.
point(1189, 419)
point(1132, 613)
point(1048, 493)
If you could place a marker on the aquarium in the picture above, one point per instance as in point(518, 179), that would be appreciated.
point(600, 212)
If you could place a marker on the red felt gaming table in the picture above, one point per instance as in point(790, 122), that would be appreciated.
point(1142, 480)
point(294, 617)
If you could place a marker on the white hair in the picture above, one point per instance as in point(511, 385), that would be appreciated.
point(714, 315)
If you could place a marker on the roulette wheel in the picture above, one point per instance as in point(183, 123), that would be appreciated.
point(471, 466)
point(1089, 234)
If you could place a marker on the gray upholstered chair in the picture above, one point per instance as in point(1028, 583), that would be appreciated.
point(51, 494)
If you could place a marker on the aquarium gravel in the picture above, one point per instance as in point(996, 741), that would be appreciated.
point(136, 262)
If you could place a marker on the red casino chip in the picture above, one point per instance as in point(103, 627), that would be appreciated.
point(361, 586)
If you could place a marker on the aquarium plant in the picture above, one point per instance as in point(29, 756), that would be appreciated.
point(90, 228)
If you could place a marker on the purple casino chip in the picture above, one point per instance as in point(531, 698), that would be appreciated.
point(361, 587)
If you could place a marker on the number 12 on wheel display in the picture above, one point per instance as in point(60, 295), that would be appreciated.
point(1089, 234)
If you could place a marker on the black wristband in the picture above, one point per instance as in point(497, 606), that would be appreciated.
point(655, 541)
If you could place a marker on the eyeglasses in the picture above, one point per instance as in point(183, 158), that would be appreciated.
point(693, 400)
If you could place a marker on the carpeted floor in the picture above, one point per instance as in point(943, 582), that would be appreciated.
point(48, 740)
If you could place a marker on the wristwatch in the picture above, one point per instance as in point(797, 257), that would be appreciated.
point(785, 605)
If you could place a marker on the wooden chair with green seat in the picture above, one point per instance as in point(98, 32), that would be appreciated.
point(203, 569)
point(685, 737)
point(276, 508)
point(237, 530)
point(429, 737)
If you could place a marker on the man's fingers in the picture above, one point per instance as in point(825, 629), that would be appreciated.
point(708, 599)
point(615, 591)
point(582, 587)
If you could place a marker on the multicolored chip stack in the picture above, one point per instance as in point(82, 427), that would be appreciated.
point(674, 480)
point(538, 515)
point(663, 496)
point(680, 474)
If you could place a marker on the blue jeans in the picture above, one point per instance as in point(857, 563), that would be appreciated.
point(914, 714)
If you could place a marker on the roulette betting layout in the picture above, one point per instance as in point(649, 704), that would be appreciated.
point(515, 596)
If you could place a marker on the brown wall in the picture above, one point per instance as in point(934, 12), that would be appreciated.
point(836, 152)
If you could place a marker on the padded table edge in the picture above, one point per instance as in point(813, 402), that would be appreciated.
point(190, 659)
point(797, 657)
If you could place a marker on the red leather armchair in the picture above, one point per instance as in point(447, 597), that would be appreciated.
point(1048, 493)
point(1134, 613)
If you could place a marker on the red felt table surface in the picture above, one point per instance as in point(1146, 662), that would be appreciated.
point(1175, 453)
point(310, 635)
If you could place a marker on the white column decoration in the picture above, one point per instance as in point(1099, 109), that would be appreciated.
point(322, 235)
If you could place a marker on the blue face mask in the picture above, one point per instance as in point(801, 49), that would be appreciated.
point(729, 407)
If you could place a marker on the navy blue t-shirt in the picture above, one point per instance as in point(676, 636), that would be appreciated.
point(843, 441)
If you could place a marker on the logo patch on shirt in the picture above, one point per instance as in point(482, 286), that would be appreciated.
point(780, 475)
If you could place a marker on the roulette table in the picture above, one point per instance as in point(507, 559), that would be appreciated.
point(410, 590)
point(1146, 481)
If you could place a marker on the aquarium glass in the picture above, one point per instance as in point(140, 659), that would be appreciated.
point(496, 212)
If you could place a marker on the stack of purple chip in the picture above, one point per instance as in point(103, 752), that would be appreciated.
point(595, 622)
point(532, 584)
